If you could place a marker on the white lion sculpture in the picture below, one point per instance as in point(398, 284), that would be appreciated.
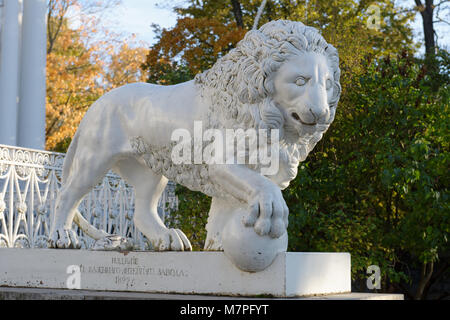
point(283, 76)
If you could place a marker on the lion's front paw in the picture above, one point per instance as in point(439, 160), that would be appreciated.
point(268, 213)
point(64, 239)
point(171, 240)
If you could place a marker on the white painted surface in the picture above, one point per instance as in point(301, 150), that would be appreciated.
point(308, 270)
point(9, 71)
point(291, 274)
point(31, 121)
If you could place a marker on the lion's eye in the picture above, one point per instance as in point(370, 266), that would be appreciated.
point(301, 81)
point(329, 84)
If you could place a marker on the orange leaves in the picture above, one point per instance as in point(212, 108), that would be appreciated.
point(125, 66)
point(83, 62)
point(198, 42)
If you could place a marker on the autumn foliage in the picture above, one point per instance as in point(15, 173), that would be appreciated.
point(83, 62)
point(197, 42)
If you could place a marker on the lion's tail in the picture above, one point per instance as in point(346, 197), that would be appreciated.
point(87, 228)
point(82, 223)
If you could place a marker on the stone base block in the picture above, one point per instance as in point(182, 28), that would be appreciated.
point(290, 275)
point(64, 294)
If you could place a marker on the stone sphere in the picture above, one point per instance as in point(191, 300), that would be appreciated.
point(246, 249)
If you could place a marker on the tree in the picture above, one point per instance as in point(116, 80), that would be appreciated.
point(377, 185)
point(237, 11)
point(83, 61)
point(125, 65)
point(71, 85)
point(194, 44)
point(427, 12)
point(206, 30)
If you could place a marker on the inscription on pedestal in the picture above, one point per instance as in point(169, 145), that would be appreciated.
point(127, 271)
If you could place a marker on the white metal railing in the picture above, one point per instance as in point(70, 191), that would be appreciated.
point(29, 183)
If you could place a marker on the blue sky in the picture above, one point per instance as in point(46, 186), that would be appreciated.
point(136, 16)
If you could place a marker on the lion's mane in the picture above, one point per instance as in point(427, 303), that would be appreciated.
point(239, 89)
point(240, 84)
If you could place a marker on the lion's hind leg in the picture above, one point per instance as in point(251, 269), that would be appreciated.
point(148, 189)
point(85, 172)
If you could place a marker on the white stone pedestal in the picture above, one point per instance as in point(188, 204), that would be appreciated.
point(291, 274)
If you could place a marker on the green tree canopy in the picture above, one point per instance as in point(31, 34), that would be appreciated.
point(377, 184)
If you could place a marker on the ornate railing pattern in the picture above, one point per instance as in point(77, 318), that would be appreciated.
point(29, 183)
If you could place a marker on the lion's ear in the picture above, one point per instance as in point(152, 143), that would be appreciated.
point(333, 57)
point(336, 93)
point(334, 99)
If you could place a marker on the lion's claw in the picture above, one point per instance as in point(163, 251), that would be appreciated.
point(171, 240)
point(268, 213)
point(64, 239)
point(278, 228)
point(262, 226)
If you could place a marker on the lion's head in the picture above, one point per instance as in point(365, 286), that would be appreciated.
point(283, 76)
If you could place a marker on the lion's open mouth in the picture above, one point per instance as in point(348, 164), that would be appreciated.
point(307, 124)
point(297, 118)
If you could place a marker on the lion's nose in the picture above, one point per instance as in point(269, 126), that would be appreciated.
point(317, 104)
point(320, 114)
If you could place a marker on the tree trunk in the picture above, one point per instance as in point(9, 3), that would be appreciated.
point(427, 272)
point(269, 10)
point(426, 11)
point(237, 11)
point(435, 278)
